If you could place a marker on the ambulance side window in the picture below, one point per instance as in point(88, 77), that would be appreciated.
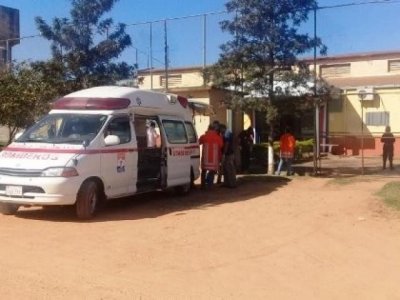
point(191, 132)
point(120, 127)
point(175, 131)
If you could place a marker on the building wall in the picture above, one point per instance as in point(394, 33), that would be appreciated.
point(3, 135)
point(188, 82)
point(349, 125)
point(181, 78)
point(347, 121)
point(361, 65)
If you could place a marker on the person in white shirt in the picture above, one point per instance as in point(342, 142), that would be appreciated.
point(152, 135)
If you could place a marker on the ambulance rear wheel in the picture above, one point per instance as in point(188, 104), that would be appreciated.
point(8, 208)
point(87, 200)
point(183, 189)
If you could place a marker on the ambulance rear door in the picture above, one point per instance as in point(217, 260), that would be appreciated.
point(176, 151)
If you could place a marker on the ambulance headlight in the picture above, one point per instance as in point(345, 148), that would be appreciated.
point(60, 172)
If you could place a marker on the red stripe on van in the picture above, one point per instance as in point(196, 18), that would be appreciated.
point(69, 151)
point(84, 151)
point(192, 147)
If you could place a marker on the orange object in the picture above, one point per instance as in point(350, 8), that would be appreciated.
point(211, 154)
point(287, 143)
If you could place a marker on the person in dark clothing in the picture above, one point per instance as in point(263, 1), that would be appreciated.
point(388, 147)
point(246, 142)
point(228, 158)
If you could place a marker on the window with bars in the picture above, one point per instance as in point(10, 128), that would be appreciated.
point(173, 80)
point(394, 66)
point(338, 70)
point(381, 118)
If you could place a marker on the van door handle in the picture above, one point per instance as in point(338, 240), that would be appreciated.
point(170, 151)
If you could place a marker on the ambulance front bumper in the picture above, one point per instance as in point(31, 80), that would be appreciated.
point(39, 190)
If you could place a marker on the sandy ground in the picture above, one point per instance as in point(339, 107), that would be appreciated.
point(271, 238)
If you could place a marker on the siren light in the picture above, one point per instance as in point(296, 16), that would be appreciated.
point(91, 103)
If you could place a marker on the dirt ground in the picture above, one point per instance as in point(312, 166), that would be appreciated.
point(271, 238)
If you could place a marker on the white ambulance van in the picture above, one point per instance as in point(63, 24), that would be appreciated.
point(95, 145)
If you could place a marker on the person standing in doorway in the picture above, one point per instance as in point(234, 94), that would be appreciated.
point(246, 140)
point(152, 135)
point(388, 147)
point(287, 147)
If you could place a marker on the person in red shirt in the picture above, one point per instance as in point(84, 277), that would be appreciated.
point(287, 147)
point(211, 155)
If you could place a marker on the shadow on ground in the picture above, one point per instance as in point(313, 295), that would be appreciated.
point(156, 204)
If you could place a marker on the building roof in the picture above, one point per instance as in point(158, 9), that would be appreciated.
point(392, 80)
point(353, 57)
point(175, 70)
point(356, 82)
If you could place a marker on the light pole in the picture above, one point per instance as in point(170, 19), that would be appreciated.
point(316, 100)
point(361, 95)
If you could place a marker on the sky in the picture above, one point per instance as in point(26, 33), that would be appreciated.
point(344, 30)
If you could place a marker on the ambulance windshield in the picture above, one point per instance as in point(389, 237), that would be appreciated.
point(64, 129)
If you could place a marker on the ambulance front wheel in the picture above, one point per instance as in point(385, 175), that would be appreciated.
point(8, 208)
point(87, 200)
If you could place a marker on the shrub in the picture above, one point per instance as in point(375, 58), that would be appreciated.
point(260, 151)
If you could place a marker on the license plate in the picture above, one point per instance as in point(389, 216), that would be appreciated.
point(14, 190)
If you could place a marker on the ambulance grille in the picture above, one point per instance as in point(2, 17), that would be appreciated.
point(26, 189)
point(20, 172)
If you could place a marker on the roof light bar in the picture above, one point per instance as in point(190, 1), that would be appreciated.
point(91, 103)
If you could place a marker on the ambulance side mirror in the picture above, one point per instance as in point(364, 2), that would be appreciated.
point(111, 140)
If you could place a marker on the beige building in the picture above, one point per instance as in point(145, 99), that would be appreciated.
point(354, 119)
point(188, 82)
point(369, 100)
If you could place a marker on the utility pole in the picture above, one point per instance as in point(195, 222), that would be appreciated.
point(204, 45)
point(8, 55)
point(151, 55)
point(166, 55)
point(362, 95)
point(316, 155)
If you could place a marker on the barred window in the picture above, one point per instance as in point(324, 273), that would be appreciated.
point(381, 118)
point(338, 70)
point(394, 66)
point(173, 80)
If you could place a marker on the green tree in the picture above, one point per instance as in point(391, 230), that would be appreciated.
point(86, 46)
point(264, 49)
point(25, 95)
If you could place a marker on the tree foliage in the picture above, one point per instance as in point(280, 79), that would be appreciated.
point(25, 95)
point(264, 49)
point(86, 45)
